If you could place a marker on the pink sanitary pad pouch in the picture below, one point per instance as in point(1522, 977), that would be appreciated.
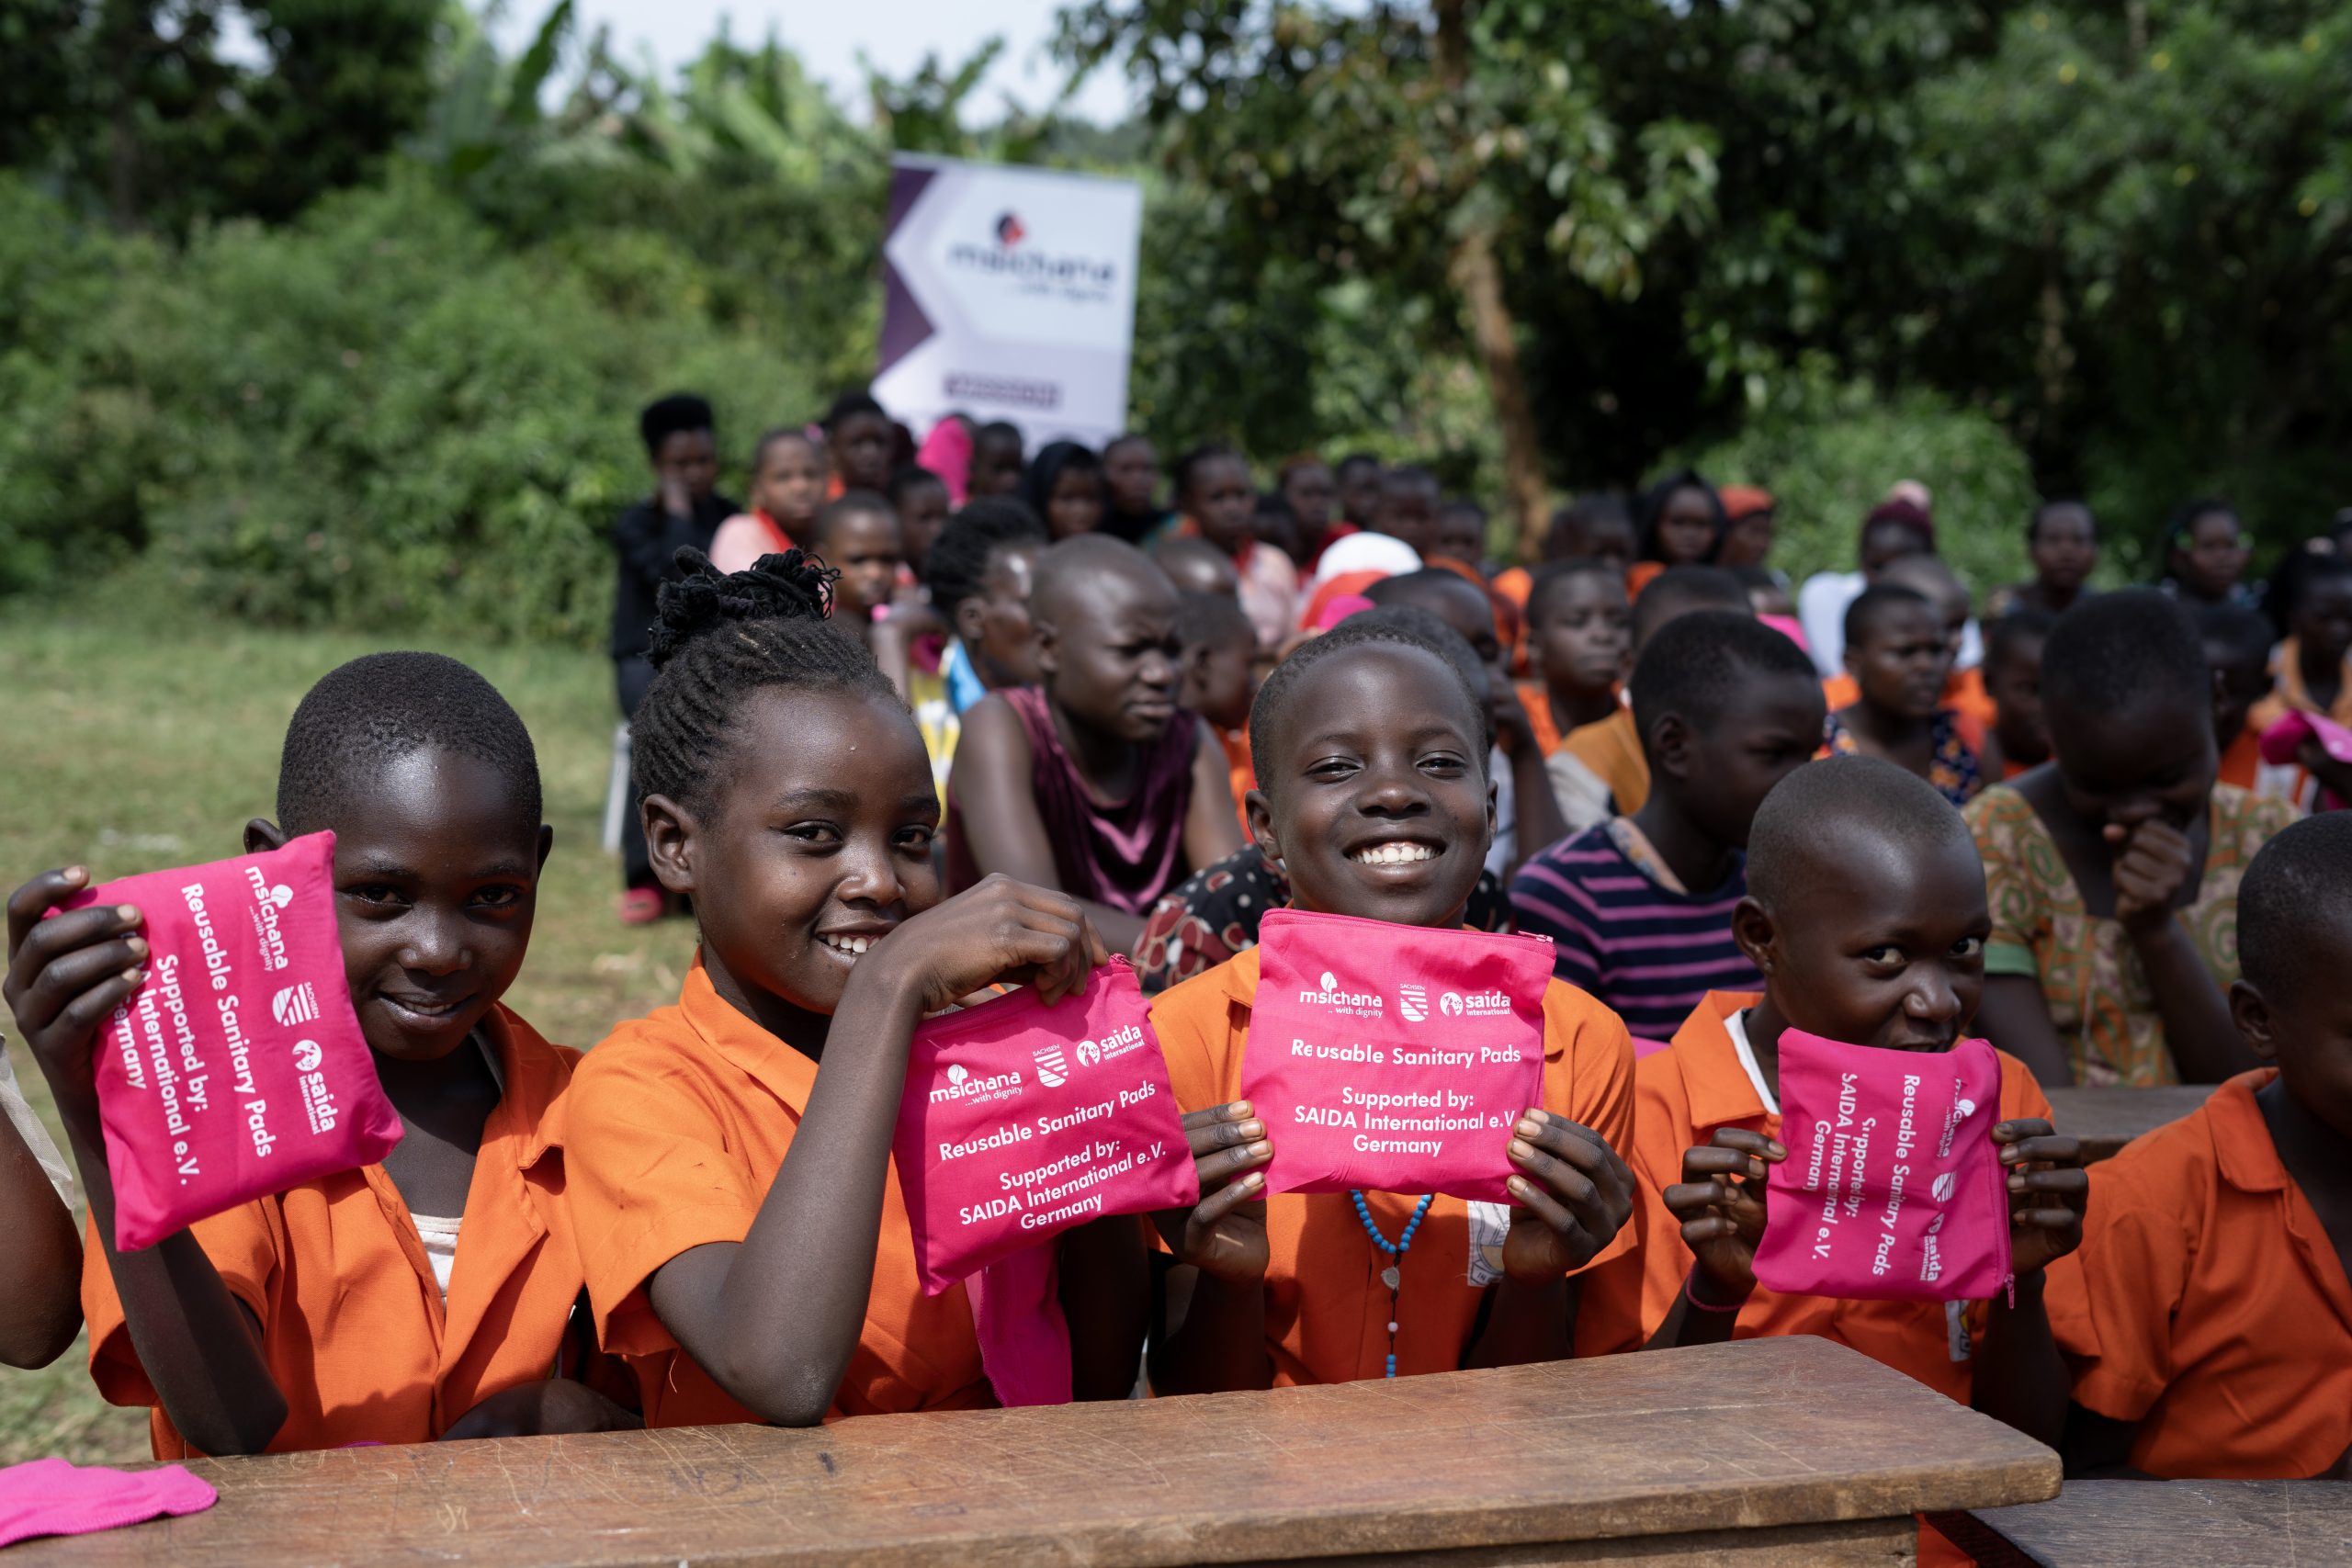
point(1893, 1189)
point(238, 1069)
point(1020, 1120)
point(48, 1497)
point(1393, 1057)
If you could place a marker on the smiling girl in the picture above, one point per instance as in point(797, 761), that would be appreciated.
point(745, 1239)
point(1373, 799)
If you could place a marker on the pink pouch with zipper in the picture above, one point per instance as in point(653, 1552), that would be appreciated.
point(1393, 1057)
point(1020, 1120)
point(238, 1068)
point(1893, 1189)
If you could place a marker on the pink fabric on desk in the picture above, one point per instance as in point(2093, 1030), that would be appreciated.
point(1024, 1339)
point(48, 1497)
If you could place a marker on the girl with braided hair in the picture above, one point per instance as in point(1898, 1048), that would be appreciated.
point(745, 1238)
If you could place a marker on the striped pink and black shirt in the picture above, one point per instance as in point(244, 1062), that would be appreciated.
point(1646, 952)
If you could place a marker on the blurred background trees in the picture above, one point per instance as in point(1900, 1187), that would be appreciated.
point(338, 313)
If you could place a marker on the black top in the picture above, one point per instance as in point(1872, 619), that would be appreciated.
point(1132, 526)
point(647, 539)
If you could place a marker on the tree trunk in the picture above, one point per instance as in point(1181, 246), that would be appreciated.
point(1479, 277)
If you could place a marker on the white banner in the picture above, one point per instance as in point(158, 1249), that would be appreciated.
point(1009, 294)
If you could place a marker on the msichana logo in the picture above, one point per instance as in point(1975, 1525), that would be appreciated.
point(1413, 1002)
point(295, 1005)
point(1053, 1068)
point(959, 1073)
point(961, 1085)
point(1331, 981)
point(1356, 1004)
point(1009, 231)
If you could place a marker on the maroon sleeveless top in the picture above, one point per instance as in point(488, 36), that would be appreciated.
point(1125, 852)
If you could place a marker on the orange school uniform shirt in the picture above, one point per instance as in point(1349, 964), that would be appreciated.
point(2207, 1303)
point(1537, 700)
point(1326, 1310)
point(1240, 772)
point(1611, 749)
point(353, 1325)
point(680, 1121)
point(1680, 1096)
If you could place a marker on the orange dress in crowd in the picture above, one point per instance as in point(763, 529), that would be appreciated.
point(1972, 708)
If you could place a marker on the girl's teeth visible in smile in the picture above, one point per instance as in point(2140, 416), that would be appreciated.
point(852, 945)
point(1393, 855)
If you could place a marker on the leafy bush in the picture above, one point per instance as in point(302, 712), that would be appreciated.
point(1828, 452)
point(375, 416)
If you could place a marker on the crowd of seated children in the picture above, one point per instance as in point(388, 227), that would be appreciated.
point(1639, 907)
point(1599, 771)
point(1092, 782)
point(2114, 870)
point(700, 1220)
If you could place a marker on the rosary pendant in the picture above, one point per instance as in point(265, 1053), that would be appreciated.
point(1391, 1277)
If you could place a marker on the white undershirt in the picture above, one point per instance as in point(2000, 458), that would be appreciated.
point(440, 1238)
point(1736, 1027)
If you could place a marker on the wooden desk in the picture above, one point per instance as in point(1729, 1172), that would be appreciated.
point(1772, 1450)
point(2128, 1524)
point(2107, 1119)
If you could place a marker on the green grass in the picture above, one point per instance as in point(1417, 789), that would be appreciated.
point(145, 737)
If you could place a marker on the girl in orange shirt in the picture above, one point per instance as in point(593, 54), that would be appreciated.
point(741, 1227)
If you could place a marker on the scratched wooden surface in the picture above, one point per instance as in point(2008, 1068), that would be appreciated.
point(2210, 1524)
point(1761, 1432)
point(2107, 1119)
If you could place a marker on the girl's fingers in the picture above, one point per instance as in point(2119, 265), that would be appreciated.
point(1218, 1205)
point(1709, 1226)
point(1223, 1163)
point(1233, 1110)
point(2049, 1149)
point(2020, 1129)
point(1546, 1208)
point(1702, 1162)
point(1757, 1144)
point(1556, 1176)
point(48, 941)
point(67, 977)
point(1690, 1196)
point(26, 904)
point(1208, 1137)
point(83, 1015)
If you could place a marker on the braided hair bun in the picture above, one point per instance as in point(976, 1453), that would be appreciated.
point(794, 586)
point(721, 637)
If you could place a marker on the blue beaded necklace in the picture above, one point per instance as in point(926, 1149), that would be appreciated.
point(1391, 1275)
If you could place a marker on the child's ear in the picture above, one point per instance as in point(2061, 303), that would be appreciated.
point(1047, 639)
point(1751, 928)
point(2250, 1011)
point(547, 843)
point(1851, 657)
point(970, 616)
point(1669, 743)
point(1261, 825)
point(262, 835)
point(670, 842)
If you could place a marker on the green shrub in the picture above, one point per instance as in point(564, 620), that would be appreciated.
point(377, 416)
point(1828, 454)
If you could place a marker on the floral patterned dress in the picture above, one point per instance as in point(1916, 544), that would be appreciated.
point(2091, 980)
point(1953, 772)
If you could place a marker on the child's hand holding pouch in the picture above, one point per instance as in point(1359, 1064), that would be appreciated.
point(238, 1068)
point(1892, 1188)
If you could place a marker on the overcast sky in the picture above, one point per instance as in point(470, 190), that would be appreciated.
point(829, 36)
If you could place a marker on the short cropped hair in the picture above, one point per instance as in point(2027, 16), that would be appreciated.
point(1679, 588)
point(1553, 576)
point(366, 714)
point(1872, 602)
point(959, 557)
point(1697, 664)
point(2298, 886)
point(1818, 811)
point(666, 417)
point(2018, 625)
point(2244, 630)
point(2117, 651)
point(1399, 625)
point(1212, 619)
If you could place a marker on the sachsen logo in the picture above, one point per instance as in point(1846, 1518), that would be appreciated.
point(295, 1005)
point(1412, 1003)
